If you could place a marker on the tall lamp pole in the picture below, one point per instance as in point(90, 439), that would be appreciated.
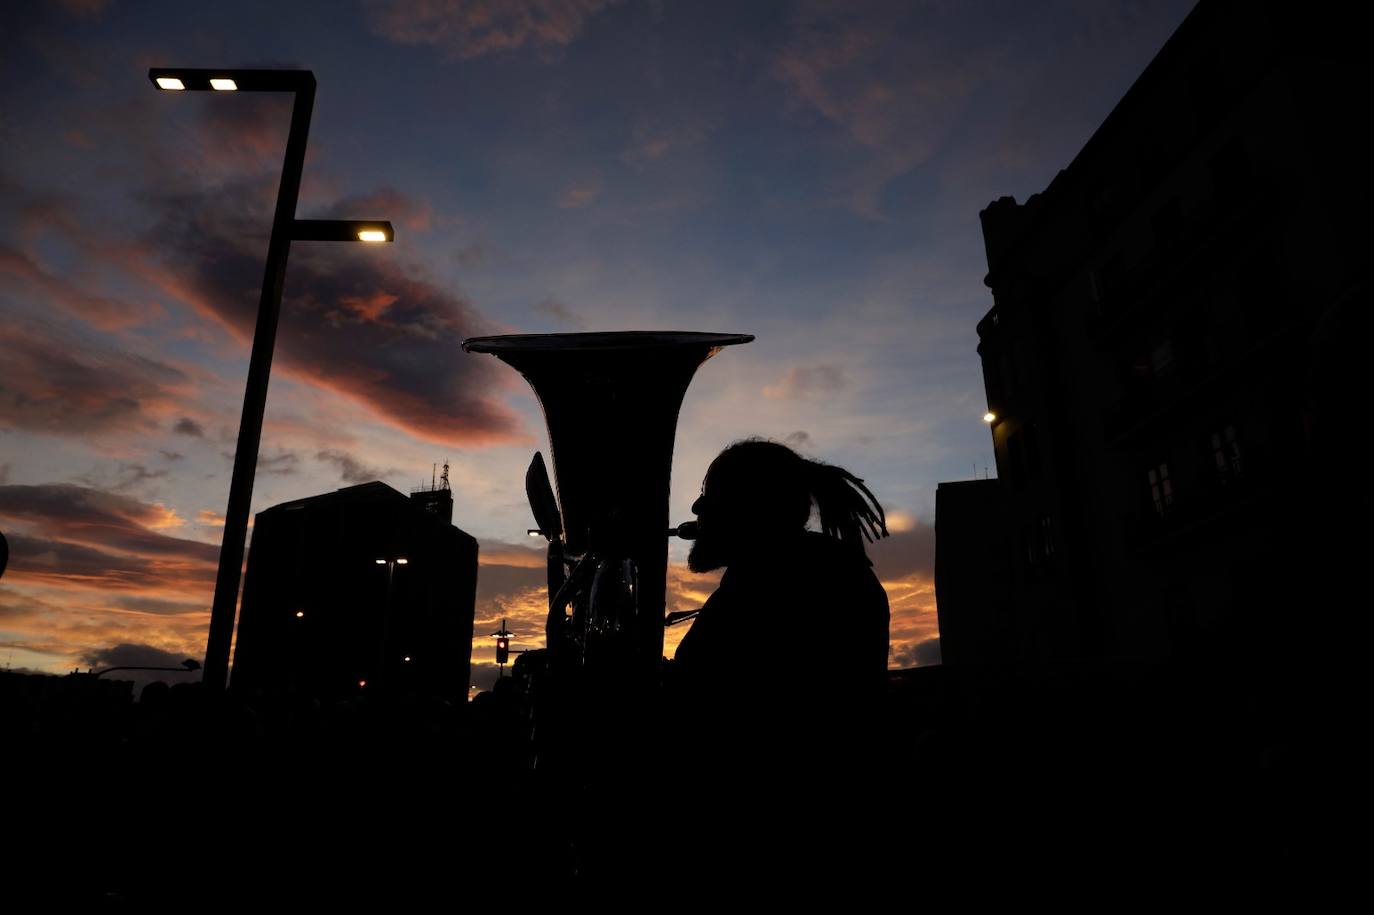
point(391, 565)
point(285, 229)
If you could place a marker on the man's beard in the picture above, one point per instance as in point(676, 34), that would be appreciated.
point(704, 556)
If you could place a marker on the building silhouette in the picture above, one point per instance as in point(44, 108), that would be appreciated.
point(1169, 359)
point(972, 573)
point(331, 610)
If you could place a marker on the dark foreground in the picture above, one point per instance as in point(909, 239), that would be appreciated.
point(1078, 783)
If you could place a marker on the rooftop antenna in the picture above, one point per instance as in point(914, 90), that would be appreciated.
point(444, 479)
point(433, 468)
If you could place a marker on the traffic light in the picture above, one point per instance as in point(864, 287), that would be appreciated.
point(502, 650)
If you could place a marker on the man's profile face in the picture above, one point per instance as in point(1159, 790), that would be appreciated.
point(709, 551)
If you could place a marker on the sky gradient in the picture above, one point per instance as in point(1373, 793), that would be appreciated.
point(810, 173)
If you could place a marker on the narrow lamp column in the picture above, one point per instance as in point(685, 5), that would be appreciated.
point(285, 228)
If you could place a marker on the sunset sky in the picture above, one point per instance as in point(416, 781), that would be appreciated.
point(810, 173)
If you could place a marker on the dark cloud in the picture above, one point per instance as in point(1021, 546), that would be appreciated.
point(473, 254)
point(799, 439)
point(188, 426)
point(352, 321)
point(464, 29)
point(281, 463)
point(904, 553)
point(497, 583)
point(56, 562)
point(508, 570)
point(55, 382)
point(558, 311)
point(806, 381)
point(351, 470)
point(104, 520)
point(484, 675)
point(160, 606)
point(132, 475)
point(132, 655)
point(167, 455)
point(918, 654)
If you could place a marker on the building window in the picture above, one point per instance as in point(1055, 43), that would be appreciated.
point(1161, 489)
point(1226, 453)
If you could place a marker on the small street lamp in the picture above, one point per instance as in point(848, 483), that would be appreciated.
point(285, 229)
point(391, 565)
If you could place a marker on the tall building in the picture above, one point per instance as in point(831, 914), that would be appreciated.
point(358, 589)
point(972, 573)
point(1169, 357)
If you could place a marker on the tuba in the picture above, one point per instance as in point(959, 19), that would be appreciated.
point(611, 402)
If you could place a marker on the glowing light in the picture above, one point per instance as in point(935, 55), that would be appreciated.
point(381, 562)
point(406, 659)
point(534, 533)
point(300, 614)
point(989, 417)
point(371, 235)
point(223, 85)
point(401, 562)
point(362, 683)
point(170, 82)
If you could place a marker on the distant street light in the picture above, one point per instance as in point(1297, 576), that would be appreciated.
point(391, 565)
point(285, 228)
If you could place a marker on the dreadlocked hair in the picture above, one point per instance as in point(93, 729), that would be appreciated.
point(782, 486)
point(847, 508)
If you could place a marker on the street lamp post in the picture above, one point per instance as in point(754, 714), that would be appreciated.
point(285, 228)
point(391, 565)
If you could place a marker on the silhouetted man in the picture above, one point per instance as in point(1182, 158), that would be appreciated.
point(778, 685)
point(788, 656)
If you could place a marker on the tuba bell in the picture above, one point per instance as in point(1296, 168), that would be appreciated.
point(611, 402)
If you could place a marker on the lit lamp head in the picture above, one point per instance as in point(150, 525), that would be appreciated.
point(368, 230)
point(989, 417)
point(177, 79)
